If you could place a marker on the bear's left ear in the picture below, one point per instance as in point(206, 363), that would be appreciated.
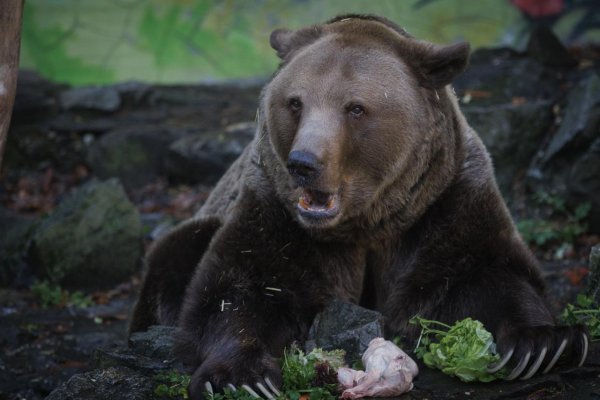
point(286, 42)
point(437, 65)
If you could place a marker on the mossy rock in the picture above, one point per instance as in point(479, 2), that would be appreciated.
point(91, 240)
point(136, 155)
point(15, 232)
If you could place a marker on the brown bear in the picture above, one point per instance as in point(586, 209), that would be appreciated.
point(364, 183)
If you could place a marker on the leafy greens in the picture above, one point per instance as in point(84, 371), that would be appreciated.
point(313, 374)
point(586, 312)
point(464, 350)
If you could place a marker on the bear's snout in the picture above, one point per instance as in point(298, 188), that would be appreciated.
point(304, 167)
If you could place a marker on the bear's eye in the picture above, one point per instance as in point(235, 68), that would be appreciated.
point(295, 104)
point(356, 110)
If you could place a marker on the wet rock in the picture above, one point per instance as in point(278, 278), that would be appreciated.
point(113, 383)
point(345, 326)
point(156, 342)
point(123, 357)
point(511, 133)
point(204, 158)
point(91, 240)
point(593, 285)
point(105, 98)
point(134, 154)
point(580, 119)
point(149, 352)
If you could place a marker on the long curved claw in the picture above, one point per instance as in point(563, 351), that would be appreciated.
point(264, 390)
point(208, 387)
point(536, 365)
point(500, 364)
point(272, 387)
point(232, 387)
point(560, 350)
point(585, 349)
point(520, 367)
point(250, 391)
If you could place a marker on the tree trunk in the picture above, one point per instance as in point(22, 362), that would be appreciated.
point(11, 13)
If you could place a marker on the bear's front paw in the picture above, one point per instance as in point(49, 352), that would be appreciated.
point(258, 376)
point(527, 350)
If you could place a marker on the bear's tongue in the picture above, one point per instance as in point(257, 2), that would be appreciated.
point(315, 200)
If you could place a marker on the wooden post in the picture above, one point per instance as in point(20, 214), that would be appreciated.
point(11, 15)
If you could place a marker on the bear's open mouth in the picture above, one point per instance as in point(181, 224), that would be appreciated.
point(318, 205)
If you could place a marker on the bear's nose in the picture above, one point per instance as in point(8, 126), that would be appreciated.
point(304, 167)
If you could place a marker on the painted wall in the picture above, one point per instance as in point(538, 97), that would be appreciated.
point(104, 41)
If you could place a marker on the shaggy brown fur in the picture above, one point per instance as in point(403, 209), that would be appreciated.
point(363, 170)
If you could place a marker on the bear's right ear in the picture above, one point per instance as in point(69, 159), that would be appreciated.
point(286, 42)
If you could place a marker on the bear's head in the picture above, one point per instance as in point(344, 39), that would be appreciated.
point(357, 116)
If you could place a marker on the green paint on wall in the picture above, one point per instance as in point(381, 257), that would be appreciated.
point(102, 41)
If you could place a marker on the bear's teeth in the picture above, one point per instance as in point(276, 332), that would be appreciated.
point(305, 201)
point(317, 201)
point(330, 202)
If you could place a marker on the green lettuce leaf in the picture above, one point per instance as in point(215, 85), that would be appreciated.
point(464, 350)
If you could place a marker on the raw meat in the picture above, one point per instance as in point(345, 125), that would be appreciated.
point(389, 372)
